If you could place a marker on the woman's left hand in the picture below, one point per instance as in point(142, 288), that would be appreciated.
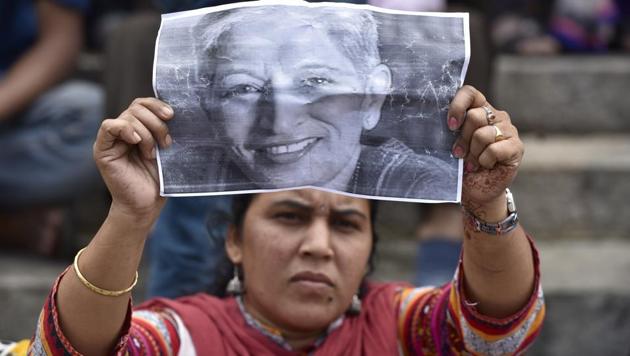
point(492, 152)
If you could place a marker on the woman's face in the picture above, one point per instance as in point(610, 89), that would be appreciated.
point(304, 254)
point(289, 101)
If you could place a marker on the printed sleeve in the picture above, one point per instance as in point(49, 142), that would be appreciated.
point(439, 320)
point(145, 332)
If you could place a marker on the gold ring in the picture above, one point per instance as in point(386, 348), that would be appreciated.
point(498, 135)
point(489, 115)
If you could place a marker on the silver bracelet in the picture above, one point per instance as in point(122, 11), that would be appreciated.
point(502, 227)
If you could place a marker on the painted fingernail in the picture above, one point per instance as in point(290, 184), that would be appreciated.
point(137, 137)
point(452, 123)
point(168, 140)
point(470, 167)
point(458, 151)
point(167, 111)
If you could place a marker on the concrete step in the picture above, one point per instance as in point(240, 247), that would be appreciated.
point(25, 282)
point(568, 267)
point(575, 186)
point(564, 94)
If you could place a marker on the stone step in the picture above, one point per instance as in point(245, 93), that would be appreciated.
point(573, 266)
point(25, 282)
point(575, 187)
point(564, 94)
point(567, 187)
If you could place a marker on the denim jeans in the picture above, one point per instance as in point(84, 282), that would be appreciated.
point(46, 151)
point(436, 261)
point(187, 245)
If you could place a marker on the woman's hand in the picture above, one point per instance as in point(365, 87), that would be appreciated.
point(490, 161)
point(499, 269)
point(124, 152)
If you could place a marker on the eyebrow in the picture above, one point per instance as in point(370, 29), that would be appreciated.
point(307, 207)
point(292, 204)
point(314, 65)
point(238, 70)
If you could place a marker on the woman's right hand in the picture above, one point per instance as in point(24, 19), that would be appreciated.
point(124, 152)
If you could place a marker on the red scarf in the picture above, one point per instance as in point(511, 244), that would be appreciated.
point(217, 327)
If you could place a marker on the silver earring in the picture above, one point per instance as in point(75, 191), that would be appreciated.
point(235, 286)
point(355, 306)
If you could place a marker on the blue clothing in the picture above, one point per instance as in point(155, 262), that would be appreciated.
point(187, 245)
point(46, 152)
point(181, 5)
point(436, 261)
point(19, 28)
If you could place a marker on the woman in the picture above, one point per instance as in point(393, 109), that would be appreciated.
point(300, 261)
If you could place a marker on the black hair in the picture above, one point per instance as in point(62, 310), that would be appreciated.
point(240, 204)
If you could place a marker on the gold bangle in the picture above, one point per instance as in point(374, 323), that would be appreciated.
point(95, 289)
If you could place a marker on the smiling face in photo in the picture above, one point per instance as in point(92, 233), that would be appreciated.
point(289, 101)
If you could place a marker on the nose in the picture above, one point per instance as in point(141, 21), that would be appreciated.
point(317, 242)
point(280, 110)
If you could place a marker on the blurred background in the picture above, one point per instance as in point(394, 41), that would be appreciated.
point(561, 69)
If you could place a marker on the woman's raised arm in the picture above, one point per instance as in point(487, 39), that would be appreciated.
point(498, 268)
point(124, 152)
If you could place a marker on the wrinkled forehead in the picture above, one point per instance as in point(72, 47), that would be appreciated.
point(285, 15)
point(354, 30)
point(264, 37)
point(278, 24)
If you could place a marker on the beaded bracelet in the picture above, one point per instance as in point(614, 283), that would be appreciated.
point(95, 289)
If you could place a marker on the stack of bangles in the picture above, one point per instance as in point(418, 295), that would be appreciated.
point(95, 289)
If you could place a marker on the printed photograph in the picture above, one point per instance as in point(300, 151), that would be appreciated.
point(276, 95)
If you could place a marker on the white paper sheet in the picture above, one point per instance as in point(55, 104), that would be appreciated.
point(275, 95)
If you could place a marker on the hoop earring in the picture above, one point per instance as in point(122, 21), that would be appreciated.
point(235, 286)
point(355, 306)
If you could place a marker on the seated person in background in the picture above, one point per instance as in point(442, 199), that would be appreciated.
point(439, 236)
point(46, 126)
point(531, 27)
point(300, 260)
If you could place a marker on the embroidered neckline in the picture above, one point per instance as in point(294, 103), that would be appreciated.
point(275, 334)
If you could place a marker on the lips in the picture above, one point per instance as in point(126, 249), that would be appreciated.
point(284, 152)
point(290, 148)
point(312, 277)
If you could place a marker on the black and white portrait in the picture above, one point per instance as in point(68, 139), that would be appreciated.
point(283, 94)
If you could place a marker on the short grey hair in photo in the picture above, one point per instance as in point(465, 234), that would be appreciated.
point(355, 29)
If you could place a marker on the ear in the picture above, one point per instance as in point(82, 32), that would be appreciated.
point(233, 245)
point(378, 86)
